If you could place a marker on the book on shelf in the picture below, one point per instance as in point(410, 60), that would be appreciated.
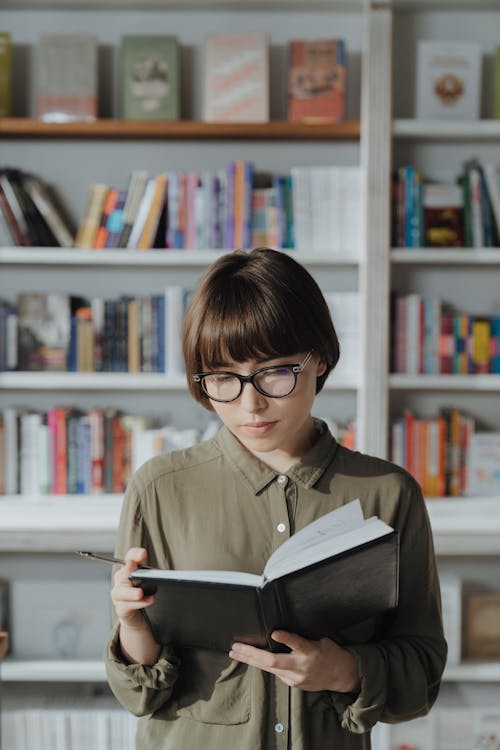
point(443, 215)
point(492, 182)
point(482, 625)
point(150, 77)
point(44, 330)
point(451, 607)
point(154, 216)
point(236, 83)
point(108, 206)
point(135, 190)
point(90, 222)
point(49, 207)
point(316, 80)
point(496, 83)
point(327, 210)
point(66, 77)
point(306, 588)
point(484, 465)
point(448, 80)
point(5, 74)
point(12, 212)
point(5, 624)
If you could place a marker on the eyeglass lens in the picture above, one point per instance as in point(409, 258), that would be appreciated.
point(275, 382)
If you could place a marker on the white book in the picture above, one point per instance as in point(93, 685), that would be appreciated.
point(345, 309)
point(174, 312)
point(29, 454)
point(11, 453)
point(483, 465)
point(451, 604)
point(236, 69)
point(142, 213)
point(492, 176)
point(448, 80)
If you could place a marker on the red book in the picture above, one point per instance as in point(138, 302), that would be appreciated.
point(96, 451)
point(316, 80)
point(446, 343)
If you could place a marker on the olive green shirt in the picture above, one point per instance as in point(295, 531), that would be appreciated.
point(215, 506)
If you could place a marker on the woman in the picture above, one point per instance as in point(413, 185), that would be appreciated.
point(259, 344)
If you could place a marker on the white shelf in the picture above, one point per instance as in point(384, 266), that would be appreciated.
point(50, 256)
point(64, 523)
point(465, 526)
point(445, 382)
point(447, 256)
point(91, 381)
point(59, 523)
point(119, 381)
point(170, 5)
point(446, 130)
point(17, 670)
point(472, 672)
point(53, 670)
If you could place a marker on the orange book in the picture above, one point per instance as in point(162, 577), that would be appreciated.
point(107, 207)
point(435, 446)
point(239, 203)
point(117, 453)
point(61, 479)
point(316, 80)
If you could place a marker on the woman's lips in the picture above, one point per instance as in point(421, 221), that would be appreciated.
point(258, 428)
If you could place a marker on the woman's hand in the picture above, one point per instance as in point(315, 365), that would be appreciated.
point(128, 600)
point(311, 665)
point(136, 640)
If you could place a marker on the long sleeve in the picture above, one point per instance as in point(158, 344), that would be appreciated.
point(401, 671)
point(141, 689)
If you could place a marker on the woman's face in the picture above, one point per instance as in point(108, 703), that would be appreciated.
point(276, 430)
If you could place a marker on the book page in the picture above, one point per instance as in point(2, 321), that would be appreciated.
point(333, 533)
point(234, 577)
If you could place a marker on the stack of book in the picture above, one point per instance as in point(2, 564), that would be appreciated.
point(61, 332)
point(435, 451)
point(69, 451)
point(434, 214)
point(31, 213)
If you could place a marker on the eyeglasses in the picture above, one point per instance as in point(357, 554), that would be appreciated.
point(276, 381)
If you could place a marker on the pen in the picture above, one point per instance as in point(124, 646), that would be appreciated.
point(106, 558)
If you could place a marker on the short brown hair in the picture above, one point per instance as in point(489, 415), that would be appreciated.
point(255, 304)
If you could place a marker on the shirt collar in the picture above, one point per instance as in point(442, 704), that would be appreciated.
point(306, 472)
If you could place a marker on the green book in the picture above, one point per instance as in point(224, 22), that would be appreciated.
point(5, 74)
point(496, 96)
point(150, 74)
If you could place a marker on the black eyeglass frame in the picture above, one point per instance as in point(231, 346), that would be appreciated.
point(294, 368)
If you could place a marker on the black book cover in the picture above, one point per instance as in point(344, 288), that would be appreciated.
point(315, 601)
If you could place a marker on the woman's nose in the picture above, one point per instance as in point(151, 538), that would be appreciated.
point(251, 399)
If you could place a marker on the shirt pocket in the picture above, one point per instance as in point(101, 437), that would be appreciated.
point(224, 690)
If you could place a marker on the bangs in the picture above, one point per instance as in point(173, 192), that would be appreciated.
point(241, 324)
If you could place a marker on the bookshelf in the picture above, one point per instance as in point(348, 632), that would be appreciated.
point(20, 127)
point(38, 534)
point(466, 531)
point(45, 531)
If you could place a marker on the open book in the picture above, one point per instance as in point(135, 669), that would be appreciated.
point(338, 571)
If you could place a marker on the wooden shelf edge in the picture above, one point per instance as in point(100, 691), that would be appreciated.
point(28, 127)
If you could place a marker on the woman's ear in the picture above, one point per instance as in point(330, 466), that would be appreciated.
point(320, 368)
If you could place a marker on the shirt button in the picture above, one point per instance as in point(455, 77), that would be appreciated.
point(281, 527)
point(279, 728)
point(282, 479)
